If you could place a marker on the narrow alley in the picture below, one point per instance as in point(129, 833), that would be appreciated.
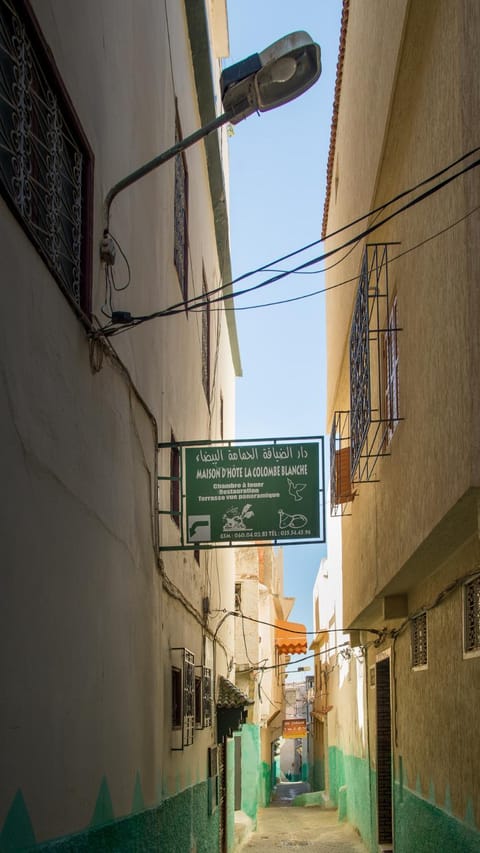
point(319, 830)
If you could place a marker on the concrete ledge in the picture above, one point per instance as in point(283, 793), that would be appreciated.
point(314, 798)
point(243, 829)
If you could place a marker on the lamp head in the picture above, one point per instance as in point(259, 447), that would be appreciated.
point(266, 80)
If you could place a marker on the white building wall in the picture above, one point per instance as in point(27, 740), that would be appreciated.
point(89, 613)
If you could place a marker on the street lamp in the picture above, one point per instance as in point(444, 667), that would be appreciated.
point(261, 82)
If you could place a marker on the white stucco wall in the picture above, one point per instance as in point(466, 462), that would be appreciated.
point(86, 621)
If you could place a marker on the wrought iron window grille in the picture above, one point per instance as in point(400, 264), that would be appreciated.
point(183, 699)
point(471, 616)
point(180, 250)
point(45, 162)
point(203, 697)
point(419, 642)
point(360, 436)
point(370, 418)
point(206, 341)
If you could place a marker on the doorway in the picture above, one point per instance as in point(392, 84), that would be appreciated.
point(384, 753)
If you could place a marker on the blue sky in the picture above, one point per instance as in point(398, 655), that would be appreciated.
point(278, 164)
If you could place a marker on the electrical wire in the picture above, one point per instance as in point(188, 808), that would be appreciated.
point(352, 278)
point(239, 614)
point(194, 304)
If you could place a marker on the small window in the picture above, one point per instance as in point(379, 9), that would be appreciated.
point(183, 698)
point(471, 616)
point(174, 481)
point(419, 641)
point(390, 374)
point(176, 698)
point(188, 698)
point(45, 161)
point(238, 596)
point(206, 341)
point(203, 697)
point(198, 701)
point(207, 696)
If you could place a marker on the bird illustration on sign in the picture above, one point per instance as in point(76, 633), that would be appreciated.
point(295, 489)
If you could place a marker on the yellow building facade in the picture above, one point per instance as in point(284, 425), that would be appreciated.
point(403, 411)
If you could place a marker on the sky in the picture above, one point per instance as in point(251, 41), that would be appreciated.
point(278, 163)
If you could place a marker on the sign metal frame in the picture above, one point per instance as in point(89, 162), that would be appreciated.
point(274, 460)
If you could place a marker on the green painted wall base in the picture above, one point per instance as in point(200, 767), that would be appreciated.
point(350, 784)
point(422, 827)
point(265, 791)
point(251, 770)
point(318, 776)
point(172, 827)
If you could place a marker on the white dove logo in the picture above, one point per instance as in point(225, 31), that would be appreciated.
point(294, 489)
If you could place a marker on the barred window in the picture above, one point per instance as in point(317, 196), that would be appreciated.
point(471, 622)
point(183, 697)
point(206, 341)
point(390, 373)
point(176, 698)
point(203, 697)
point(180, 250)
point(188, 698)
point(174, 481)
point(238, 596)
point(207, 696)
point(419, 641)
point(45, 161)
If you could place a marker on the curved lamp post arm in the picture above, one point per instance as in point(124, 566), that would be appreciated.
point(163, 158)
point(263, 81)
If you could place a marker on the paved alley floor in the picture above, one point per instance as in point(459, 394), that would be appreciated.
point(309, 829)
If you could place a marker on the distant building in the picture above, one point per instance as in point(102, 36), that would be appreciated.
point(403, 404)
point(264, 642)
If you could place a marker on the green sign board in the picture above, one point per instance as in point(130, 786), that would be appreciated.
point(244, 493)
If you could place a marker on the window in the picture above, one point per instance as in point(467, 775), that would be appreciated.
point(176, 698)
point(390, 373)
point(174, 481)
point(206, 341)
point(471, 616)
point(203, 697)
point(198, 701)
point(45, 161)
point(183, 698)
point(207, 696)
point(180, 250)
point(188, 698)
point(238, 596)
point(419, 641)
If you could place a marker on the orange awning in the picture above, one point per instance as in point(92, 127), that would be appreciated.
point(290, 638)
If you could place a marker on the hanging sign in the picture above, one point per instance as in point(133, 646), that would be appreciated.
point(245, 493)
point(294, 727)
